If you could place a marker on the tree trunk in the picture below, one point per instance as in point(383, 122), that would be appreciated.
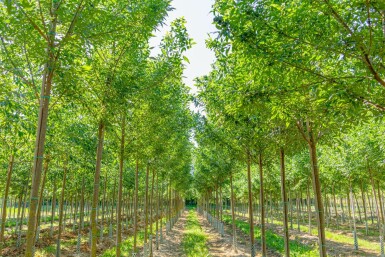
point(112, 206)
point(158, 216)
point(317, 194)
point(41, 200)
point(364, 206)
point(82, 203)
point(136, 206)
point(4, 210)
point(61, 212)
point(335, 207)
point(169, 203)
point(251, 222)
point(358, 206)
point(291, 210)
point(342, 209)
point(327, 209)
point(95, 197)
point(233, 213)
point(354, 219)
point(309, 208)
point(53, 207)
point(146, 206)
point(380, 202)
point(262, 203)
point(104, 201)
point(370, 208)
point(120, 190)
point(41, 131)
point(18, 210)
point(221, 204)
point(380, 217)
point(81, 220)
point(151, 202)
point(298, 212)
point(41, 197)
point(161, 209)
point(22, 215)
point(284, 200)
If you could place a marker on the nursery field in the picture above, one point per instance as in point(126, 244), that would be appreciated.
point(192, 128)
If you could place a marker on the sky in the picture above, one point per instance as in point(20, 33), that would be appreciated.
point(199, 25)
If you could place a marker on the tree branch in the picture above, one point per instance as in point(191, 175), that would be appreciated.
point(365, 54)
point(300, 128)
point(17, 74)
point(71, 27)
point(34, 25)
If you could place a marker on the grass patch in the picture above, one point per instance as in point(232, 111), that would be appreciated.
point(275, 241)
point(127, 246)
point(194, 239)
point(339, 238)
point(50, 249)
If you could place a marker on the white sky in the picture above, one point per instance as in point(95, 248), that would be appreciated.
point(199, 24)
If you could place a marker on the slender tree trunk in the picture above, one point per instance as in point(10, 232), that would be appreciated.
point(291, 210)
point(104, 203)
point(169, 203)
point(335, 207)
point(370, 208)
point(22, 213)
point(112, 207)
point(82, 205)
point(53, 207)
point(161, 209)
point(41, 131)
point(221, 204)
point(342, 209)
point(309, 208)
point(327, 212)
point(251, 221)
point(380, 202)
point(19, 210)
point(4, 210)
point(358, 206)
point(120, 190)
point(284, 200)
point(75, 212)
point(151, 202)
point(354, 219)
point(136, 206)
point(233, 212)
point(158, 216)
point(317, 193)
point(298, 213)
point(380, 217)
point(41, 197)
point(262, 203)
point(349, 209)
point(61, 212)
point(146, 206)
point(95, 197)
point(364, 206)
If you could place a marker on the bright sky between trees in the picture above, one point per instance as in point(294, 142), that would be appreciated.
point(199, 25)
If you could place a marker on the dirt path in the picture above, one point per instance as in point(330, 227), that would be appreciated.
point(172, 243)
point(220, 246)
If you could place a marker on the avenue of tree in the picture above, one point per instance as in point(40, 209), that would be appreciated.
point(95, 131)
point(99, 143)
point(293, 118)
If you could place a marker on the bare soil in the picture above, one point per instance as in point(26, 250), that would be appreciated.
point(221, 246)
point(172, 243)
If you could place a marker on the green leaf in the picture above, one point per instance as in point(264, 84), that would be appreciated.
point(186, 59)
